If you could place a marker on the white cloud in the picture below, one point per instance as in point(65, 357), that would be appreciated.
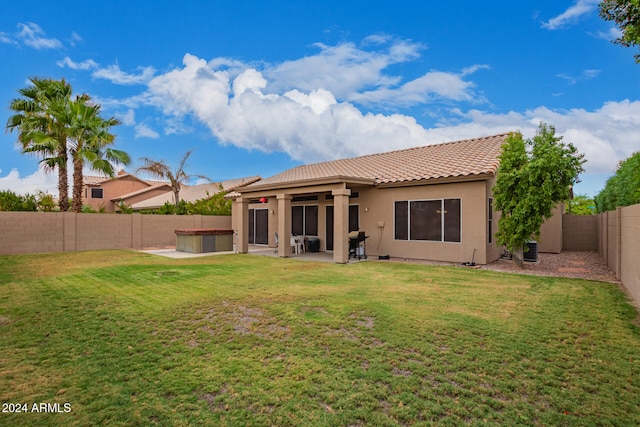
point(144, 131)
point(309, 126)
point(432, 85)
point(39, 180)
point(604, 135)
point(316, 125)
point(343, 69)
point(84, 65)
point(585, 75)
point(358, 75)
point(32, 35)
point(114, 74)
point(571, 15)
point(612, 34)
point(7, 39)
point(75, 38)
point(128, 118)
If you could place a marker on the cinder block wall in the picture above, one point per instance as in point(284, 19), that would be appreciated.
point(551, 237)
point(619, 244)
point(34, 232)
point(630, 250)
point(580, 233)
point(27, 232)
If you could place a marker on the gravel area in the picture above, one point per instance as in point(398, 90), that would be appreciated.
point(581, 265)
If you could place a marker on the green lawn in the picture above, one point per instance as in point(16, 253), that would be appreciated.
point(126, 338)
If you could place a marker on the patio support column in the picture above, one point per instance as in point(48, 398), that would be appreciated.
point(341, 225)
point(242, 207)
point(284, 224)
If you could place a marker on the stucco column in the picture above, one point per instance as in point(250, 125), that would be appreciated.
point(242, 207)
point(284, 224)
point(341, 225)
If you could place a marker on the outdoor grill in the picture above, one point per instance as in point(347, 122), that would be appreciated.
point(357, 245)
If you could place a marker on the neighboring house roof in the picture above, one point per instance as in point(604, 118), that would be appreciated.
point(466, 158)
point(91, 180)
point(162, 185)
point(191, 193)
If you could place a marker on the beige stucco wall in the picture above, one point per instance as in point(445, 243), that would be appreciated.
point(33, 232)
point(112, 188)
point(376, 209)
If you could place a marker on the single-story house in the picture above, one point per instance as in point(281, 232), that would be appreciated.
point(432, 202)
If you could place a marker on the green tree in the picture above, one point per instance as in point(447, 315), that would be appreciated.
point(215, 204)
point(623, 188)
point(171, 209)
point(42, 119)
point(581, 204)
point(533, 177)
point(10, 201)
point(45, 201)
point(90, 143)
point(53, 126)
point(178, 177)
point(626, 15)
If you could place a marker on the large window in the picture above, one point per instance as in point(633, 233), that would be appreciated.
point(96, 193)
point(431, 220)
point(304, 220)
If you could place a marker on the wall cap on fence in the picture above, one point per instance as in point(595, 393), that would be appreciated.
point(202, 231)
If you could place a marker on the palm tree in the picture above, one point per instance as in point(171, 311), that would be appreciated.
point(161, 170)
point(89, 143)
point(42, 119)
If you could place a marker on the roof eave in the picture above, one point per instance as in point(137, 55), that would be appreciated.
point(440, 180)
point(338, 179)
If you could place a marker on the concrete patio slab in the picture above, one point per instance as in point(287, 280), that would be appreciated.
point(253, 250)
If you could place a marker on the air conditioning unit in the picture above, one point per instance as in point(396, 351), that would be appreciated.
point(531, 255)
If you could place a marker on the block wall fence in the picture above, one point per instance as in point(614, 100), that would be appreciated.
point(615, 235)
point(619, 245)
point(33, 232)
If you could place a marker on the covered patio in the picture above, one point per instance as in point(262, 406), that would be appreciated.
point(318, 209)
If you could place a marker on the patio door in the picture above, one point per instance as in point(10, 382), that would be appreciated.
point(259, 226)
point(354, 223)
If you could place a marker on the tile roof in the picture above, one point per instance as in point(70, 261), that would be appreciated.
point(191, 193)
point(478, 156)
point(97, 180)
point(166, 186)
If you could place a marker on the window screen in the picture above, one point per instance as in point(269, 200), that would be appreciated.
point(451, 215)
point(311, 220)
point(431, 220)
point(297, 220)
point(401, 216)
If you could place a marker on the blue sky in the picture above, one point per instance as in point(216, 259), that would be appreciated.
point(258, 87)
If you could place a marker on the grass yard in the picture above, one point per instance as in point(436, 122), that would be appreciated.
point(124, 338)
